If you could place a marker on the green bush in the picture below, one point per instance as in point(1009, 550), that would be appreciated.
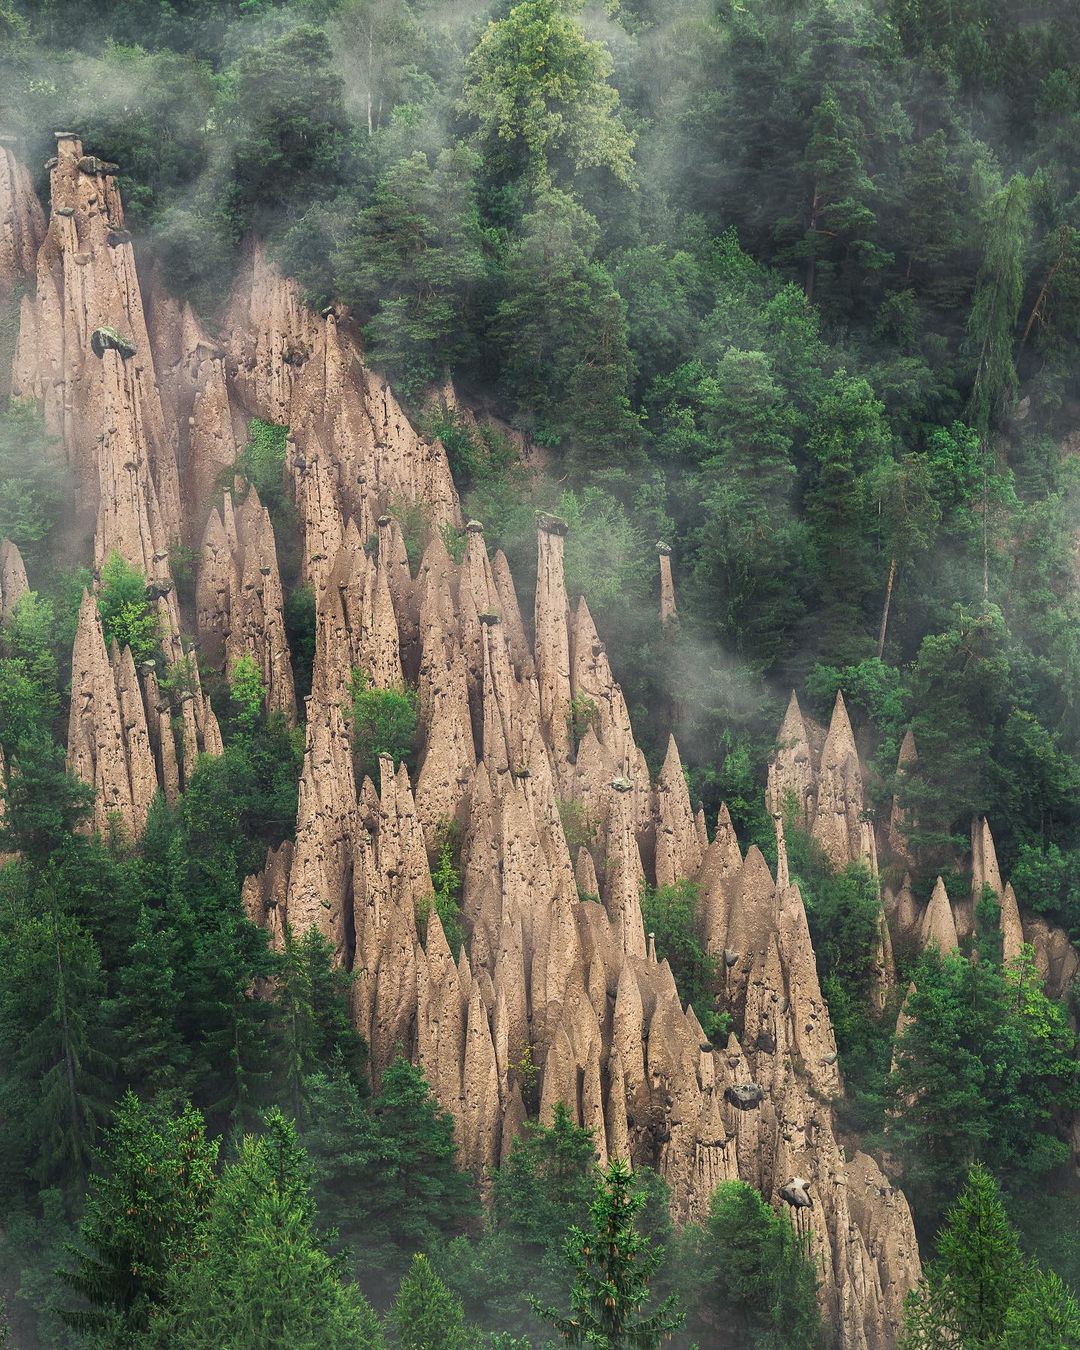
point(32, 481)
point(445, 899)
point(383, 723)
point(127, 616)
point(670, 914)
point(261, 463)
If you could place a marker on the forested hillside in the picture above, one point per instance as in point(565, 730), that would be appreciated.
point(435, 441)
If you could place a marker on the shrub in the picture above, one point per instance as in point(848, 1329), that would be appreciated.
point(261, 463)
point(126, 614)
point(383, 723)
point(670, 914)
point(445, 898)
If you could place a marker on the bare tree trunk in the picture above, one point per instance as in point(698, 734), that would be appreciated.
point(370, 69)
point(1040, 299)
point(986, 541)
point(69, 1066)
point(885, 608)
point(811, 261)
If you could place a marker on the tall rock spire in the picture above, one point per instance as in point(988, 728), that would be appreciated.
point(552, 649)
point(22, 221)
point(668, 612)
point(108, 739)
point(240, 608)
point(13, 579)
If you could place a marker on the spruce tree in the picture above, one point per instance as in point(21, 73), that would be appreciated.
point(967, 1292)
point(999, 290)
point(427, 1316)
point(154, 1055)
point(753, 1274)
point(53, 1043)
point(612, 1266)
point(264, 1278)
point(1043, 1313)
point(142, 1215)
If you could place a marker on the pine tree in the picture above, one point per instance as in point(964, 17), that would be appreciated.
point(53, 1038)
point(967, 1292)
point(386, 1170)
point(1043, 1313)
point(841, 220)
point(549, 1180)
point(999, 289)
point(141, 1216)
point(426, 1316)
point(311, 1018)
point(612, 1266)
point(753, 1273)
point(154, 1055)
point(264, 1279)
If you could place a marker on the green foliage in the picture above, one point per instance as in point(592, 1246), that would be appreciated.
point(559, 327)
point(262, 1276)
point(282, 108)
point(445, 899)
point(248, 694)
point(383, 723)
point(478, 455)
point(386, 1174)
point(128, 618)
point(43, 804)
point(28, 688)
point(425, 1313)
point(142, 1215)
point(753, 1275)
point(412, 263)
point(982, 1066)
point(843, 910)
point(671, 915)
point(1043, 1312)
point(999, 290)
point(53, 1038)
point(979, 1284)
point(261, 463)
point(300, 631)
point(311, 1013)
point(1048, 881)
point(539, 87)
point(32, 491)
point(577, 825)
point(582, 715)
point(548, 1182)
point(612, 1265)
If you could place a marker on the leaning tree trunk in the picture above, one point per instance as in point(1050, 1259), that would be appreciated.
point(885, 608)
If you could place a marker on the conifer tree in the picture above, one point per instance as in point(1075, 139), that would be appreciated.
point(265, 1279)
point(612, 1265)
point(53, 1038)
point(142, 1215)
point(154, 1055)
point(427, 1316)
point(311, 1018)
point(1044, 1312)
point(967, 1292)
point(386, 1170)
point(753, 1273)
point(999, 290)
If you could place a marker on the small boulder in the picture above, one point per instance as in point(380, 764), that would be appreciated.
point(101, 339)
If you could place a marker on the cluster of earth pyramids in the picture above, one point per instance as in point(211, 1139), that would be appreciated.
point(557, 994)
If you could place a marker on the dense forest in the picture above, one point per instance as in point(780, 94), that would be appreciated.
point(786, 289)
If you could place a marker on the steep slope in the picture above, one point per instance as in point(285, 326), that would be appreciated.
point(150, 412)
